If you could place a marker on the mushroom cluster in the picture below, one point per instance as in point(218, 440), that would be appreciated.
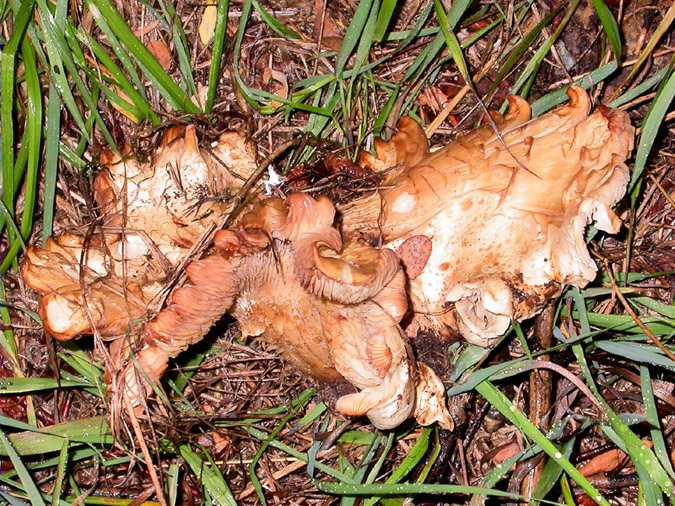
point(469, 238)
point(331, 309)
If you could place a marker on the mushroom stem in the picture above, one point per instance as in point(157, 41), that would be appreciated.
point(192, 311)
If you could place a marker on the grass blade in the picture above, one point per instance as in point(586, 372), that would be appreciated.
point(384, 18)
point(60, 473)
point(52, 137)
point(298, 403)
point(118, 77)
point(217, 53)
point(28, 484)
point(452, 42)
point(380, 461)
point(50, 439)
point(557, 97)
point(641, 88)
point(152, 68)
point(518, 418)
point(7, 340)
point(173, 474)
point(208, 474)
point(57, 74)
point(262, 436)
point(517, 52)
point(650, 127)
point(34, 129)
point(625, 323)
point(660, 31)
point(276, 25)
point(411, 460)
point(122, 55)
point(535, 62)
point(652, 416)
point(63, 54)
point(352, 35)
point(610, 26)
point(7, 68)
point(257, 98)
point(551, 472)
point(34, 137)
point(407, 489)
point(638, 352)
point(181, 44)
point(362, 468)
point(634, 447)
point(667, 310)
point(366, 41)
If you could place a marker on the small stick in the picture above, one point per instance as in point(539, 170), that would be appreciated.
point(540, 392)
point(442, 116)
point(652, 337)
point(144, 449)
point(462, 462)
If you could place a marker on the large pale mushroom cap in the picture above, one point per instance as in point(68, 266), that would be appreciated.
point(505, 218)
point(170, 201)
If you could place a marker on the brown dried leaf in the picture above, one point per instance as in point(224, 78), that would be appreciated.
point(207, 26)
point(162, 52)
point(607, 462)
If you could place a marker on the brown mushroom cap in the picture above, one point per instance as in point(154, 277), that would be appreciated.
point(273, 304)
point(72, 305)
point(430, 404)
point(370, 351)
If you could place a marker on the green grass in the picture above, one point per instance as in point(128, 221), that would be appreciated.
point(60, 85)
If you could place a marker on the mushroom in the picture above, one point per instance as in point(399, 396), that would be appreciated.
point(331, 311)
point(75, 300)
point(334, 310)
point(167, 204)
point(504, 218)
point(191, 312)
point(153, 214)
